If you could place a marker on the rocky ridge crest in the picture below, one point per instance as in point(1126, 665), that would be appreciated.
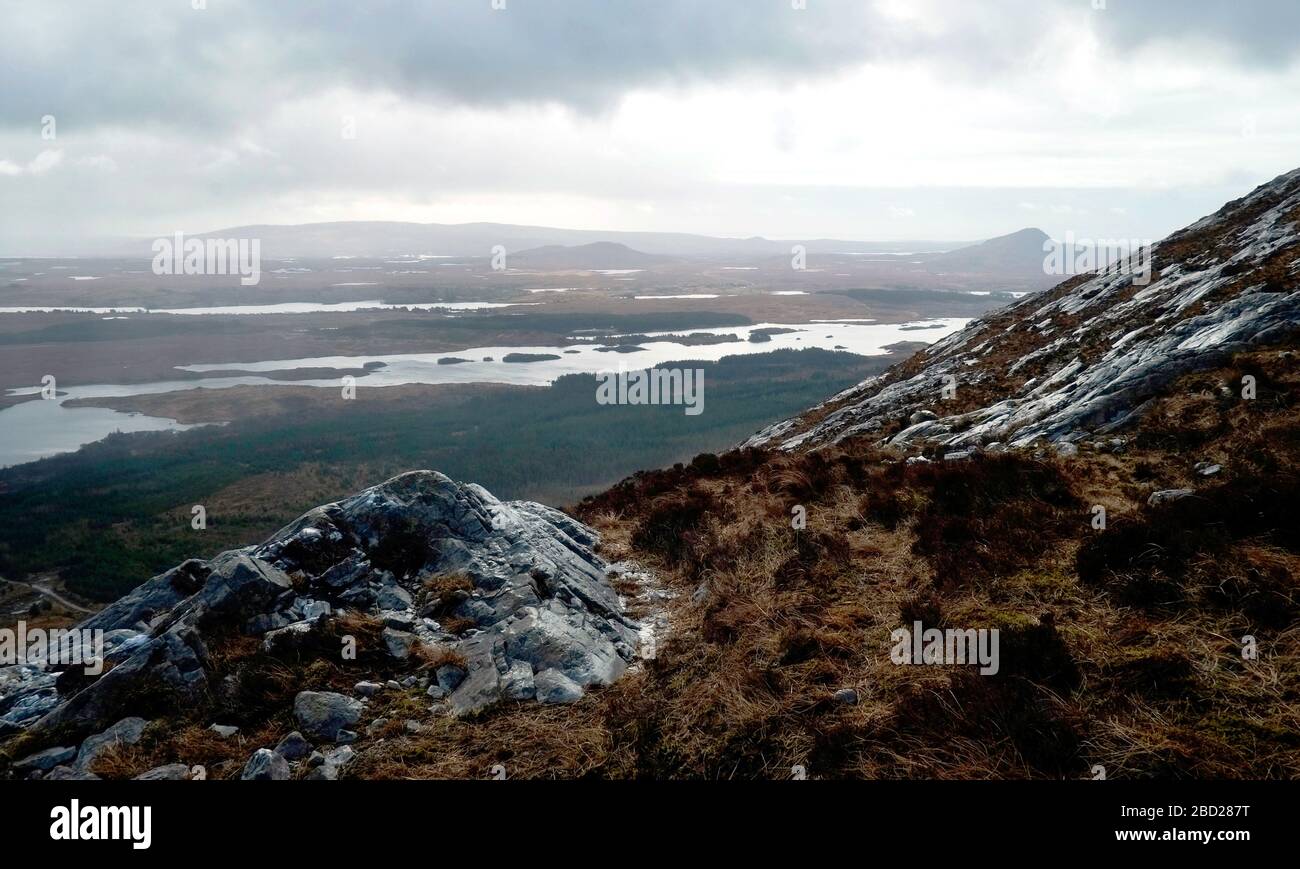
point(1087, 356)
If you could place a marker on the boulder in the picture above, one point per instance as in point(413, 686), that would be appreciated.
point(393, 597)
point(398, 643)
point(537, 593)
point(265, 765)
point(293, 747)
point(322, 714)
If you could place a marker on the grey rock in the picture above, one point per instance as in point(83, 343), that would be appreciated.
point(332, 764)
point(265, 765)
point(27, 693)
point(846, 697)
point(555, 687)
point(346, 573)
point(437, 692)
point(346, 737)
point(70, 773)
point(225, 731)
point(538, 590)
point(450, 676)
point(393, 597)
point(172, 666)
point(158, 595)
point(169, 772)
point(1208, 469)
point(518, 683)
point(922, 416)
point(239, 586)
point(557, 637)
point(478, 687)
point(293, 747)
point(44, 760)
point(1166, 496)
point(360, 597)
point(125, 732)
point(399, 621)
point(314, 609)
point(367, 689)
point(398, 643)
point(322, 714)
point(265, 623)
point(290, 637)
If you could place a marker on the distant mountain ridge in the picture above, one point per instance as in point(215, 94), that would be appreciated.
point(598, 255)
point(1022, 250)
point(379, 239)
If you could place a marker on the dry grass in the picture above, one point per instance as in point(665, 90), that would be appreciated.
point(1119, 647)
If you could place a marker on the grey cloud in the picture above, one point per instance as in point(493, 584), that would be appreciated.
point(138, 61)
point(1255, 32)
point(152, 63)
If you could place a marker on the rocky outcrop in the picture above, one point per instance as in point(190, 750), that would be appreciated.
point(1086, 356)
point(502, 591)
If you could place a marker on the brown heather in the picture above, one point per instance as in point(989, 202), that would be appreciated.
point(1119, 647)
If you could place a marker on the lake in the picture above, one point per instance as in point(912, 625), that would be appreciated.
point(40, 428)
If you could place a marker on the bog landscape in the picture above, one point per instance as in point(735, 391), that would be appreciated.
point(935, 493)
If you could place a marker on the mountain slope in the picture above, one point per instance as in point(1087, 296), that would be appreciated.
point(1086, 356)
point(1109, 493)
point(1021, 251)
point(1143, 574)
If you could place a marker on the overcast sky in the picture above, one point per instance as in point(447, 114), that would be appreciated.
point(897, 119)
